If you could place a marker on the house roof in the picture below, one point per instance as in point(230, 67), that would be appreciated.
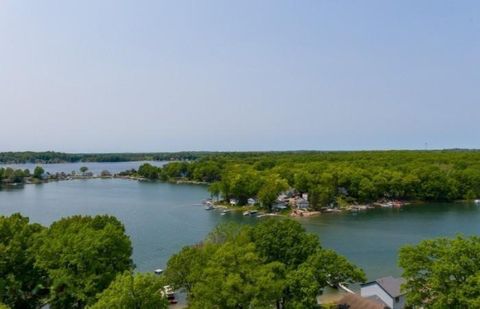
point(354, 301)
point(390, 284)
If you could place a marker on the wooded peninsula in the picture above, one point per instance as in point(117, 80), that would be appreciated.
point(332, 177)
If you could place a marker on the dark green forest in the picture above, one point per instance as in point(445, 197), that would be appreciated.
point(333, 177)
point(60, 157)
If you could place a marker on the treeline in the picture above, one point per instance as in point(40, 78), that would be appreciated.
point(60, 157)
point(334, 177)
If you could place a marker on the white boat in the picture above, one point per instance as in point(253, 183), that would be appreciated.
point(477, 201)
point(246, 213)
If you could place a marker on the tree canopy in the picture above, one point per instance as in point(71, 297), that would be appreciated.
point(22, 282)
point(442, 273)
point(82, 255)
point(133, 291)
point(249, 267)
point(361, 176)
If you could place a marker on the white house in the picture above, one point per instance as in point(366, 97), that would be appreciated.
point(251, 201)
point(385, 290)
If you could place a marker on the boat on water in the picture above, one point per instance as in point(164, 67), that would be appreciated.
point(250, 212)
point(208, 207)
point(477, 201)
point(224, 212)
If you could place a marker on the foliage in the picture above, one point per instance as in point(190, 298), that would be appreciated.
point(285, 241)
point(13, 176)
point(82, 255)
point(442, 273)
point(38, 172)
point(272, 264)
point(138, 291)
point(362, 176)
point(21, 281)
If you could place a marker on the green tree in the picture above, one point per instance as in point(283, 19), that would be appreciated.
point(284, 240)
point(21, 281)
point(148, 171)
point(83, 169)
point(82, 255)
point(272, 186)
point(236, 277)
point(139, 291)
point(38, 172)
point(442, 273)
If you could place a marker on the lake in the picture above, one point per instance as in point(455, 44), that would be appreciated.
point(161, 218)
point(94, 167)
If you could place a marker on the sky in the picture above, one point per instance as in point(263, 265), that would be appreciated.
point(134, 76)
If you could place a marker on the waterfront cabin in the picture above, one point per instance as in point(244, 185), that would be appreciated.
point(251, 201)
point(233, 201)
point(386, 290)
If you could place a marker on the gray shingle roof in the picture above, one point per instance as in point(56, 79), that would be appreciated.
point(391, 285)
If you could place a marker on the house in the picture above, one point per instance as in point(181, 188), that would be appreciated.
point(302, 203)
point(251, 201)
point(305, 196)
point(354, 301)
point(233, 201)
point(386, 290)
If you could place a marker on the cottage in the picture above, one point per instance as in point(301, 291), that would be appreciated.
point(251, 201)
point(385, 290)
point(233, 201)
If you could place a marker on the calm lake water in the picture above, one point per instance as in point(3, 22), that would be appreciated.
point(161, 218)
point(94, 167)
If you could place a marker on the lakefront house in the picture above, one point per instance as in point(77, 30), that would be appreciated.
point(386, 290)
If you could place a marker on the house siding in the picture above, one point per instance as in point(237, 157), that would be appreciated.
point(375, 290)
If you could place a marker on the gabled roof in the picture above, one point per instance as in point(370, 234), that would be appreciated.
point(389, 284)
point(353, 301)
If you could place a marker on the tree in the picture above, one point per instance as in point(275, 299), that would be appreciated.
point(138, 291)
point(21, 281)
point(258, 267)
point(271, 188)
point(442, 273)
point(38, 172)
point(148, 171)
point(283, 240)
point(236, 277)
point(185, 268)
point(82, 255)
point(83, 169)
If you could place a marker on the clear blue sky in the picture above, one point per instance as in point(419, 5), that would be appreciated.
point(101, 76)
